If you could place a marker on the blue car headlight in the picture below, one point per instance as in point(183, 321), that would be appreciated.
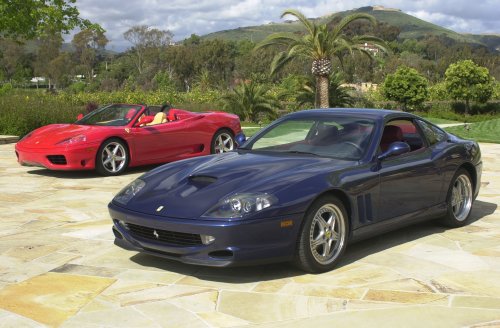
point(241, 205)
point(129, 192)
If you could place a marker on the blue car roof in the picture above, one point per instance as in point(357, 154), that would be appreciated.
point(362, 112)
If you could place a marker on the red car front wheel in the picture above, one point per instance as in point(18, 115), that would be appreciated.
point(112, 157)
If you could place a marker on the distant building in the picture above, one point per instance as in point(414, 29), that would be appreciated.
point(371, 48)
point(385, 8)
point(362, 87)
point(37, 79)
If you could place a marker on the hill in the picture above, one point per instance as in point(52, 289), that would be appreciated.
point(411, 28)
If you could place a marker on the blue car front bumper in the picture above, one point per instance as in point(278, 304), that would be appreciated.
point(235, 242)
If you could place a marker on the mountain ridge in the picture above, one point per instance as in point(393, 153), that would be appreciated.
point(411, 27)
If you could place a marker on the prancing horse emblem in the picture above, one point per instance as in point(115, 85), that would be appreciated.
point(156, 234)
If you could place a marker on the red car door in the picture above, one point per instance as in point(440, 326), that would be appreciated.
point(167, 141)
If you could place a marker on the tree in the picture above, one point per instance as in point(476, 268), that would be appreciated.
point(59, 70)
point(319, 44)
point(406, 86)
point(250, 99)
point(10, 54)
point(89, 45)
point(143, 38)
point(338, 95)
point(31, 18)
point(49, 46)
point(468, 81)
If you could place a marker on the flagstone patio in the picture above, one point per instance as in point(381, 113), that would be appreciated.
point(59, 267)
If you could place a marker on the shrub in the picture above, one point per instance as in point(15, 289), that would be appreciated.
point(25, 111)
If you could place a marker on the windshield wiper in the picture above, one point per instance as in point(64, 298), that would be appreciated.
point(300, 152)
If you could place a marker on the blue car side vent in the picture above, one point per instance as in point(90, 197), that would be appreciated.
point(365, 208)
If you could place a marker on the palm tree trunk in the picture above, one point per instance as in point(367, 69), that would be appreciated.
point(322, 91)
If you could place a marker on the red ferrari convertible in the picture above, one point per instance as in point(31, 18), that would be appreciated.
point(117, 136)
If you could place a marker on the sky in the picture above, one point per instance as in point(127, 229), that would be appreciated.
point(185, 17)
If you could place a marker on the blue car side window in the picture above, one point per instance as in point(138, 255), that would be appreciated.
point(432, 133)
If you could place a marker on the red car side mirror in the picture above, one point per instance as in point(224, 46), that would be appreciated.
point(79, 117)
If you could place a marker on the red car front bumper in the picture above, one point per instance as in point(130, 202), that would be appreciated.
point(58, 158)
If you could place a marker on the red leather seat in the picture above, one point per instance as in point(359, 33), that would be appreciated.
point(391, 134)
point(172, 115)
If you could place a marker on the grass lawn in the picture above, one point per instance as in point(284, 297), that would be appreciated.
point(486, 131)
point(250, 128)
point(436, 120)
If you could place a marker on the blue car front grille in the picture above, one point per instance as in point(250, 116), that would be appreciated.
point(169, 237)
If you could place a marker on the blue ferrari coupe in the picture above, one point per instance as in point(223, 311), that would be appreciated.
point(300, 190)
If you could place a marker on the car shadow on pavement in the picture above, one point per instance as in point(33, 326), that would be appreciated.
point(87, 174)
point(355, 252)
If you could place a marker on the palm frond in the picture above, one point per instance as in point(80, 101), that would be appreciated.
point(281, 38)
point(280, 60)
point(303, 19)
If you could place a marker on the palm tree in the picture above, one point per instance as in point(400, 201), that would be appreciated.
point(319, 44)
point(339, 95)
point(250, 100)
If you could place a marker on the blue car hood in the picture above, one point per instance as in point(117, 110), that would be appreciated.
point(187, 189)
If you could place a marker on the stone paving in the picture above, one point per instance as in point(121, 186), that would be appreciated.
point(59, 267)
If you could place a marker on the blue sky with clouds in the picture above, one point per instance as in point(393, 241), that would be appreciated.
point(184, 17)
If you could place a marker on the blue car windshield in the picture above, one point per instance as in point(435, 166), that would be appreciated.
point(112, 115)
point(338, 137)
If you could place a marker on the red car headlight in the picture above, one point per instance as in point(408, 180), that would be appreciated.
point(73, 140)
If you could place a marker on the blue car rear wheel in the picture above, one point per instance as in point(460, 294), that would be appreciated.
point(459, 200)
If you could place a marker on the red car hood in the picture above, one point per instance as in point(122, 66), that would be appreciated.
point(50, 135)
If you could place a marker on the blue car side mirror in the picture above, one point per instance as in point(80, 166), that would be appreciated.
point(240, 139)
point(395, 148)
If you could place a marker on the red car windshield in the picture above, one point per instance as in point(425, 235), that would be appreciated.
point(111, 115)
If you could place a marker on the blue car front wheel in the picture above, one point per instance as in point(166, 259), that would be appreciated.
point(323, 238)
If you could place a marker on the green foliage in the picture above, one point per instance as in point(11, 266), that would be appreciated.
point(438, 92)
point(164, 81)
point(453, 111)
point(339, 96)
point(77, 87)
point(5, 88)
point(468, 81)
point(30, 18)
point(406, 86)
point(486, 131)
point(496, 91)
point(23, 112)
point(251, 101)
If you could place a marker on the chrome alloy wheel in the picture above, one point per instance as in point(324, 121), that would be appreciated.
point(114, 157)
point(223, 143)
point(461, 197)
point(327, 234)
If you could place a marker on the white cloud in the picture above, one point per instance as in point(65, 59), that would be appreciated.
point(184, 17)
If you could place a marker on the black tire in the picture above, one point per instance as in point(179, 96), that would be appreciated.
point(308, 256)
point(112, 157)
point(222, 141)
point(459, 200)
